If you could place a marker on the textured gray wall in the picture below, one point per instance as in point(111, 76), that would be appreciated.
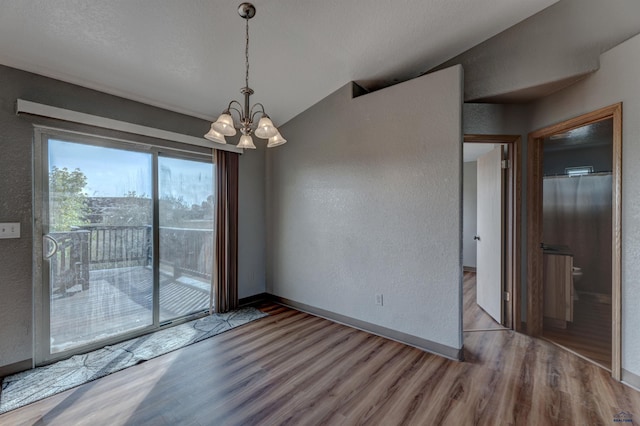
point(469, 212)
point(364, 199)
point(251, 217)
point(16, 329)
point(496, 119)
point(16, 178)
point(616, 81)
point(557, 45)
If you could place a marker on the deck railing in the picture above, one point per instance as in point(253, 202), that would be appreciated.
point(119, 245)
point(70, 260)
point(186, 251)
point(189, 251)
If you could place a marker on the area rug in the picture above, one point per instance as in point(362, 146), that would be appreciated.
point(33, 385)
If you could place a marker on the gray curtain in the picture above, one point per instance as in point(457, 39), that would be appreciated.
point(577, 213)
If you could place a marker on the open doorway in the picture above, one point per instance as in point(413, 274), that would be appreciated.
point(491, 231)
point(574, 228)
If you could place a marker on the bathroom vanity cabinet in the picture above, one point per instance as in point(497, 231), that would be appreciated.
point(558, 288)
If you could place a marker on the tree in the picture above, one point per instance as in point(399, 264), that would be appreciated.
point(67, 200)
point(130, 210)
point(172, 210)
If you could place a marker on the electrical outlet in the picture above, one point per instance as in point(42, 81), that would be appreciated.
point(379, 299)
point(10, 230)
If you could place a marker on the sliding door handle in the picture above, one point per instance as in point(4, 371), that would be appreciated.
point(45, 239)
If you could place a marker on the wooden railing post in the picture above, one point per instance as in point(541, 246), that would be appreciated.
point(148, 234)
point(82, 258)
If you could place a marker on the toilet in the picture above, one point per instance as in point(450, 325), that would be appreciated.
point(577, 275)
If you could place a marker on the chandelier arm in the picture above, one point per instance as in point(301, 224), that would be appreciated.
point(240, 117)
point(262, 111)
point(238, 110)
point(234, 102)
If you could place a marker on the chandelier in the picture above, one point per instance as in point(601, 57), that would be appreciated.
point(225, 126)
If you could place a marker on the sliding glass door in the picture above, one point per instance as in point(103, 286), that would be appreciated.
point(186, 235)
point(127, 241)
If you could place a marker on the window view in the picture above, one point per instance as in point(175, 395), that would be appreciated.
point(100, 241)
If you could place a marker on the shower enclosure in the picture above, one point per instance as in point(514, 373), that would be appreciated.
point(577, 214)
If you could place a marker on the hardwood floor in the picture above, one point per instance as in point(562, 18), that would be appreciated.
point(473, 317)
point(590, 332)
point(295, 368)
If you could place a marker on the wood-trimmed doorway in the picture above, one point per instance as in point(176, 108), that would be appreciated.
point(513, 191)
point(535, 301)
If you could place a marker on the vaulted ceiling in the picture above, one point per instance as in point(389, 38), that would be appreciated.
point(188, 56)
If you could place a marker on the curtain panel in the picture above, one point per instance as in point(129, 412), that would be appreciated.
point(577, 214)
point(225, 279)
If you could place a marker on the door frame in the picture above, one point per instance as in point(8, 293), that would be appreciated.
point(535, 301)
point(512, 224)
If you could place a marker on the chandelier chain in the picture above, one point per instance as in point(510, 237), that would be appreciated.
point(246, 56)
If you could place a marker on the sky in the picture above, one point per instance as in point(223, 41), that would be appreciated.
point(114, 172)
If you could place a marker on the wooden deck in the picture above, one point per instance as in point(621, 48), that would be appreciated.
point(120, 300)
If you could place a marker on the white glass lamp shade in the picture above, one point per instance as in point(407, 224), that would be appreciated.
point(215, 136)
point(224, 125)
point(265, 129)
point(276, 140)
point(246, 141)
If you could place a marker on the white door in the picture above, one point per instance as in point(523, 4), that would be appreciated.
point(489, 244)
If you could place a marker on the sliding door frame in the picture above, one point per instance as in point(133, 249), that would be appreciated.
point(41, 306)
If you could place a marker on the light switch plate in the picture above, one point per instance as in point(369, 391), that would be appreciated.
point(10, 230)
point(379, 299)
